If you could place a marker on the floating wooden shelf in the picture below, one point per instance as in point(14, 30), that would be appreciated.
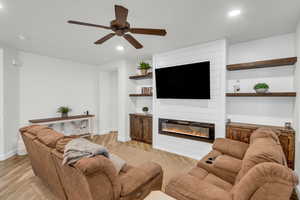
point(137, 77)
point(270, 94)
point(263, 64)
point(140, 95)
point(35, 121)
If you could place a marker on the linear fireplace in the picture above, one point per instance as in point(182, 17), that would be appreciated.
point(187, 129)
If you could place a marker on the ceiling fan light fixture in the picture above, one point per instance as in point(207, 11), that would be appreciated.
point(121, 27)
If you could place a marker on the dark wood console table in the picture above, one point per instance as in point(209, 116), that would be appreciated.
point(242, 132)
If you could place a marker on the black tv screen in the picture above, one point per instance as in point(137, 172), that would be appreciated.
point(191, 81)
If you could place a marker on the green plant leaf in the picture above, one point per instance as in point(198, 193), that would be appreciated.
point(261, 85)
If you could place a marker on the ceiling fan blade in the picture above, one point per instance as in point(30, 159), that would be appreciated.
point(105, 38)
point(121, 14)
point(88, 24)
point(148, 31)
point(133, 41)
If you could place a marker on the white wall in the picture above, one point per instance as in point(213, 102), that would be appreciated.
point(114, 100)
point(108, 106)
point(2, 152)
point(297, 107)
point(125, 103)
point(11, 100)
point(9, 108)
point(262, 110)
point(209, 111)
point(47, 83)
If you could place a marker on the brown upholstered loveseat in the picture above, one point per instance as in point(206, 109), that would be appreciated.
point(238, 171)
point(90, 178)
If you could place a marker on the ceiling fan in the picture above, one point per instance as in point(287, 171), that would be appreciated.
point(121, 27)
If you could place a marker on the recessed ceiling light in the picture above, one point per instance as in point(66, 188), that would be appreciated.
point(21, 37)
point(120, 48)
point(1, 6)
point(234, 13)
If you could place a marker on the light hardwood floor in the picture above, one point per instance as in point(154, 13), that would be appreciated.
point(17, 181)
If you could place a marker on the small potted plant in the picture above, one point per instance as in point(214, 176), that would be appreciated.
point(64, 110)
point(144, 67)
point(261, 88)
point(145, 110)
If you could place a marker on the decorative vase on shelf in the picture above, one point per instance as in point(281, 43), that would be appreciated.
point(143, 71)
point(64, 110)
point(64, 115)
point(237, 87)
point(145, 110)
point(144, 67)
point(261, 88)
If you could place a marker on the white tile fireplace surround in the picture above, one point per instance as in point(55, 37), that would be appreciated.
point(206, 111)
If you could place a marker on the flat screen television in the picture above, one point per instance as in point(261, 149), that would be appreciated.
point(191, 81)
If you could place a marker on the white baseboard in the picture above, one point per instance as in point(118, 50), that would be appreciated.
point(8, 154)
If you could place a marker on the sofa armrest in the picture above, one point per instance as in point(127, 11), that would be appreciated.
point(99, 170)
point(191, 188)
point(228, 163)
point(137, 177)
point(231, 147)
point(266, 179)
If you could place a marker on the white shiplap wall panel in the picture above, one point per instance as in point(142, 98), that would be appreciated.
point(209, 111)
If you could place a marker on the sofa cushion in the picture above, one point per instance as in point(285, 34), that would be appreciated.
point(262, 149)
point(228, 163)
point(230, 147)
point(136, 177)
point(226, 175)
point(95, 164)
point(35, 129)
point(61, 143)
point(189, 187)
point(49, 137)
point(26, 128)
point(266, 181)
point(202, 174)
point(264, 132)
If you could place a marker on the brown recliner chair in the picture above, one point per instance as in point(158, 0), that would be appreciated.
point(238, 171)
point(90, 178)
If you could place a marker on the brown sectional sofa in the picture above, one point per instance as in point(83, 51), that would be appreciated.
point(90, 178)
point(238, 171)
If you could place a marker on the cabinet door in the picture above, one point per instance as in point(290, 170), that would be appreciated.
point(287, 142)
point(136, 128)
point(147, 130)
point(239, 134)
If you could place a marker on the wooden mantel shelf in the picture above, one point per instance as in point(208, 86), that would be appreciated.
point(137, 77)
point(54, 119)
point(263, 64)
point(269, 94)
point(140, 95)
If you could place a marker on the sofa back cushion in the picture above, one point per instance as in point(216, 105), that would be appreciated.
point(34, 129)
point(61, 143)
point(264, 132)
point(49, 137)
point(268, 181)
point(264, 147)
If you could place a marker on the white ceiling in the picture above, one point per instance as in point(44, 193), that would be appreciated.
point(186, 21)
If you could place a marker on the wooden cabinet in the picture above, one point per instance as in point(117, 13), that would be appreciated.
point(141, 128)
point(242, 132)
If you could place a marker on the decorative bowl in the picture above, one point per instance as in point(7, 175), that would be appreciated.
point(262, 90)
